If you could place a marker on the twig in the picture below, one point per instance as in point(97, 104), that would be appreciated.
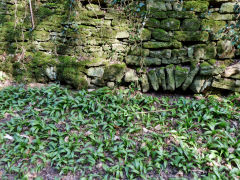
point(32, 18)
point(154, 111)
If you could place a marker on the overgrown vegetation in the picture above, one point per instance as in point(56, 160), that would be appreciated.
point(119, 134)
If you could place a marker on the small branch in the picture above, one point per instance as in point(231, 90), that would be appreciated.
point(154, 111)
point(32, 17)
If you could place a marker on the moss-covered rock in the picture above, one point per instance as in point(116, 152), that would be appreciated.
point(225, 49)
point(170, 77)
point(153, 79)
point(191, 24)
point(203, 51)
point(181, 74)
point(191, 36)
point(114, 72)
point(152, 22)
point(161, 35)
point(144, 83)
point(170, 24)
point(190, 78)
point(158, 45)
point(181, 14)
point(162, 77)
point(197, 6)
point(145, 34)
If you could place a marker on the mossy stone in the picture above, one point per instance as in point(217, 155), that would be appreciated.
point(152, 22)
point(190, 78)
point(181, 14)
point(196, 6)
point(170, 24)
point(170, 77)
point(191, 36)
point(191, 24)
point(158, 45)
point(161, 35)
point(153, 79)
point(114, 72)
point(181, 74)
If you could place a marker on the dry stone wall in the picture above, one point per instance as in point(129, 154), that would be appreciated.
point(179, 46)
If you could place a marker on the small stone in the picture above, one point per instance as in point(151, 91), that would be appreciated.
point(232, 70)
point(225, 49)
point(111, 84)
point(131, 76)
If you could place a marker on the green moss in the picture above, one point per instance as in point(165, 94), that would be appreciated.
point(160, 34)
point(205, 65)
point(158, 14)
point(181, 14)
point(114, 72)
point(212, 61)
point(191, 24)
point(191, 35)
point(197, 6)
point(153, 23)
point(212, 25)
point(170, 24)
point(181, 69)
point(157, 45)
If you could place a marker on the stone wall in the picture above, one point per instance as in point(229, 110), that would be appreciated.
point(178, 47)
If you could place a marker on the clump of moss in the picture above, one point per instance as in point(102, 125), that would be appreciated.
point(70, 71)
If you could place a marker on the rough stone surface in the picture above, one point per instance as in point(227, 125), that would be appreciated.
point(190, 78)
point(170, 78)
point(152, 75)
point(145, 83)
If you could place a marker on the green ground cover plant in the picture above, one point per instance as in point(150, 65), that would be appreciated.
point(55, 133)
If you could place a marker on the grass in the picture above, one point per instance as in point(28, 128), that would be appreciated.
point(53, 132)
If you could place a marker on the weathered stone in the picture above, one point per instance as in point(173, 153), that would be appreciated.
point(131, 76)
point(161, 35)
point(95, 72)
point(177, 6)
point(153, 79)
point(144, 83)
point(206, 69)
point(197, 6)
point(111, 85)
point(203, 51)
point(197, 84)
point(93, 7)
point(137, 51)
point(191, 24)
point(232, 70)
point(154, 23)
point(158, 14)
point(170, 77)
point(145, 34)
point(207, 83)
point(51, 73)
point(219, 17)
point(191, 36)
point(157, 45)
point(163, 54)
point(181, 14)
point(225, 49)
point(190, 78)
point(161, 74)
point(224, 83)
point(181, 74)
point(170, 24)
point(122, 35)
point(212, 25)
point(156, 4)
point(227, 7)
point(114, 72)
point(138, 61)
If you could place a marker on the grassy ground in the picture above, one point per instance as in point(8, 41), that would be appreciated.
point(53, 133)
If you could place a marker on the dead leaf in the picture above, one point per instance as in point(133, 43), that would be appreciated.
point(88, 133)
point(66, 138)
point(158, 127)
point(7, 136)
point(231, 150)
